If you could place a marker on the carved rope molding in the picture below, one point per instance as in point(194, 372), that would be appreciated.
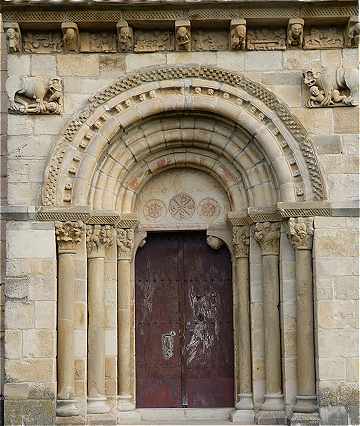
point(177, 72)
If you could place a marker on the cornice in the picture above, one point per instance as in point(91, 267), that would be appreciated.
point(168, 10)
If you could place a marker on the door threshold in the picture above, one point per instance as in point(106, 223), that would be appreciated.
point(186, 415)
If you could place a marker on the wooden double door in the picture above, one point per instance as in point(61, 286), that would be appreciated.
point(184, 323)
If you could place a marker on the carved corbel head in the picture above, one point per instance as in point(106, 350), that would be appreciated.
point(125, 37)
point(13, 37)
point(214, 242)
point(182, 35)
point(352, 34)
point(238, 34)
point(71, 37)
point(295, 32)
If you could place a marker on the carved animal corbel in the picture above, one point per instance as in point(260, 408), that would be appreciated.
point(33, 95)
point(295, 33)
point(238, 34)
point(326, 90)
point(13, 37)
point(352, 34)
point(125, 37)
point(71, 37)
point(182, 35)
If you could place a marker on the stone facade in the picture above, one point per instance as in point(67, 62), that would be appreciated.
point(238, 120)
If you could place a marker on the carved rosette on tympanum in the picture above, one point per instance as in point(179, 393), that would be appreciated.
point(125, 242)
point(98, 237)
point(267, 234)
point(301, 232)
point(34, 95)
point(69, 235)
point(241, 241)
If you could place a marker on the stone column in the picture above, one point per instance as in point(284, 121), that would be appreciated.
point(68, 236)
point(244, 413)
point(98, 237)
point(301, 236)
point(126, 359)
point(267, 234)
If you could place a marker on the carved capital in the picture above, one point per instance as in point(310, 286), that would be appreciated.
point(301, 232)
point(98, 237)
point(125, 242)
point(241, 241)
point(68, 235)
point(267, 234)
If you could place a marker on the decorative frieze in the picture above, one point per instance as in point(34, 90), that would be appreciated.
point(34, 95)
point(210, 40)
point(266, 39)
point(327, 90)
point(301, 232)
point(42, 42)
point(323, 38)
point(267, 234)
point(241, 241)
point(98, 42)
point(153, 41)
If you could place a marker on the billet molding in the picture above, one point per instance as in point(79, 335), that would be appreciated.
point(305, 209)
point(97, 113)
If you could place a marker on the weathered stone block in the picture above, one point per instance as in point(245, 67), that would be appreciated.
point(19, 125)
point(134, 61)
point(85, 65)
point(13, 344)
point(30, 412)
point(231, 60)
point(254, 61)
point(328, 144)
point(20, 243)
point(319, 121)
point(346, 287)
point(350, 144)
point(17, 287)
point(343, 187)
point(45, 125)
point(19, 315)
point(18, 65)
point(45, 315)
point(332, 368)
point(39, 343)
point(344, 344)
point(30, 370)
point(346, 120)
point(43, 65)
point(112, 66)
point(209, 58)
point(295, 61)
point(352, 370)
point(335, 243)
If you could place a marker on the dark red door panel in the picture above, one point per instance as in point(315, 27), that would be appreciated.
point(184, 328)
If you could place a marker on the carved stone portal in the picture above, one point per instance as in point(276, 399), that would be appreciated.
point(330, 91)
point(32, 95)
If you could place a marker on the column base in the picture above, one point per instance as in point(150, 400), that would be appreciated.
point(305, 404)
point(97, 406)
point(128, 417)
point(273, 402)
point(271, 418)
point(305, 419)
point(244, 401)
point(102, 419)
point(243, 417)
point(67, 408)
point(125, 403)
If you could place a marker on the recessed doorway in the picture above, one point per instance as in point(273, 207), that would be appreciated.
point(184, 323)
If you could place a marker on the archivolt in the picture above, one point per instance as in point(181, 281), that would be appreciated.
point(253, 116)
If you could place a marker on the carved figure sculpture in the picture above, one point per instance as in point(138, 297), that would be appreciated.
point(326, 91)
point(31, 95)
point(183, 35)
point(295, 33)
point(125, 37)
point(352, 35)
point(13, 37)
point(71, 37)
point(238, 34)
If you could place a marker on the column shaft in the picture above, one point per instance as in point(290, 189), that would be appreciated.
point(272, 324)
point(65, 359)
point(124, 331)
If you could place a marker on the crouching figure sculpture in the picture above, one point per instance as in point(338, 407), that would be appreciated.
point(33, 95)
